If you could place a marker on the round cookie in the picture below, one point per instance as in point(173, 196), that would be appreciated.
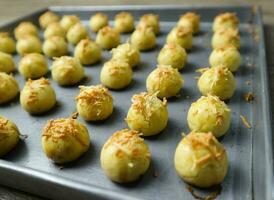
point(67, 71)
point(88, 52)
point(28, 44)
point(9, 135)
point(226, 37)
point(7, 44)
point(94, 103)
point(7, 64)
point(76, 33)
point(166, 81)
point(54, 29)
point(33, 66)
point(218, 81)
point(68, 21)
point(125, 156)
point(116, 74)
point(124, 22)
point(201, 160)
point(174, 55)
point(8, 87)
point(108, 38)
point(48, 18)
point(147, 114)
point(224, 21)
point(25, 28)
point(65, 140)
point(150, 20)
point(143, 38)
point(228, 57)
point(191, 21)
point(128, 53)
point(209, 114)
point(55, 46)
point(37, 96)
point(182, 36)
point(98, 21)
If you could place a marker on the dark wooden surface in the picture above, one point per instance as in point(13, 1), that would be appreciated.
point(10, 9)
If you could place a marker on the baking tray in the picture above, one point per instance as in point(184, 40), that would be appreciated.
point(249, 150)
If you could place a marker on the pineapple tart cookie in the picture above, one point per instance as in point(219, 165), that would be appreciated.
point(94, 103)
point(8, 88)
point(165, 80)
point(33, 66)
point(147, 114)
point(125, 156)
point(201, 160)
point(37, 96)
point(9, 135)
point(67, 71)
point(65, 140)
point(209, 114)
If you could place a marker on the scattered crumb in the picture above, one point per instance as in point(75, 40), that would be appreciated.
point(187, 97)
point(247, 82)
point(245, 122)
point(23, 136)
point(213, 195)
point(74, 115)
point(155, 174)
point(249, 97)
point(202, 70)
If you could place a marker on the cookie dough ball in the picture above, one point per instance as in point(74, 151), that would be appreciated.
point(8, 87)
point(68, 21)
point(54, 29)
point(116, 74)
point(209, 114)
point(55, 46)
point(6, 63)
point(124, 22)
point(165, 80)
point(33, 66)
point(228, 57)
point(98, 21)
point(128, 53)
point(9, 135)
point(7, 44)
point(25, 28)
point(48, 18)
point(224, 21)
point(218, 81)
point(94, 103)
point(182, 36)
point(28, 44)
point(191, 21)
point(174, 55)
point(108, 38)
point(226, 37)
point(143, 38)
point(125, 156)
point(37, 96)
point(201, 160)
point(147, 114)
point(150, 20)
point(67, 71)
point(88, 52)
point(65, 140)
point(76, 33)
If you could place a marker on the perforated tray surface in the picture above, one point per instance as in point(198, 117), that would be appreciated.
point(249, 150)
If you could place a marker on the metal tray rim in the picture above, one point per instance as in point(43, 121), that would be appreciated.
point(21, 171)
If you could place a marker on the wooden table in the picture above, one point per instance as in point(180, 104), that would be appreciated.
point(10, 9)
